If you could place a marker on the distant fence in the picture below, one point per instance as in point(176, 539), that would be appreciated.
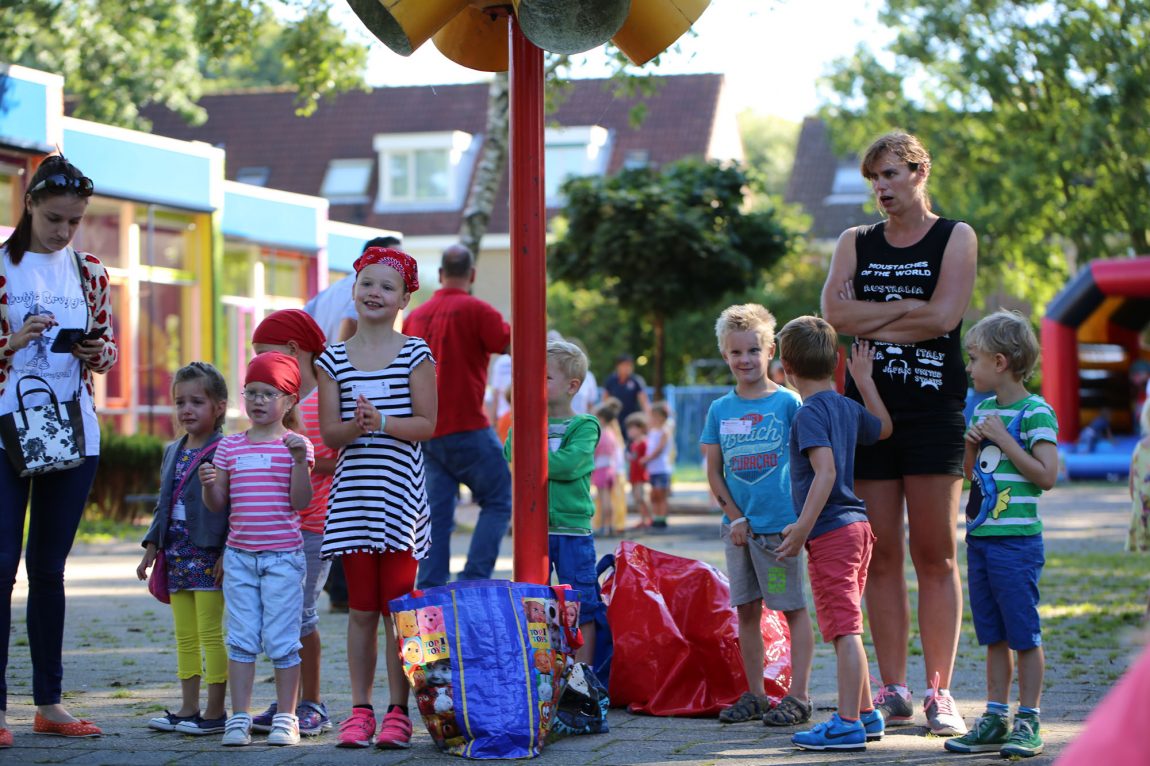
point(689, 406)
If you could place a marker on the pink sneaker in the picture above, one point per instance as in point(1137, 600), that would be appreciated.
point(394, 732)
point(357, 729)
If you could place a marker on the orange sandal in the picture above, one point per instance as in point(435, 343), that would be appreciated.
point(42, 725)
point(5, 738)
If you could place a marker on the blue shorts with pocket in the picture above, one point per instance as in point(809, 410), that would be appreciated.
point(573, 561)
point(1002, 574)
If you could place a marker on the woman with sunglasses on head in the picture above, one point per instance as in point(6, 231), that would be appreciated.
point(45, 288)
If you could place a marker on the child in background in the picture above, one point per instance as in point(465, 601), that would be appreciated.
point(606, 460)
point(636, 426)
point(658, 462)
point(295, 333)
point(744, 438)
point(263, 474)
point(1138, 538)
point(193, 540)
point(1011, 458)
point(571, 441)
point(832, 523)
point(377, 402)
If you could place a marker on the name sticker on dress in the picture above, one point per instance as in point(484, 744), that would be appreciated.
point(257, 462)
point(372, 390)
point(735, 427)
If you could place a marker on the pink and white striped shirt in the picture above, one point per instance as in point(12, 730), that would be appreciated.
point(259, 486)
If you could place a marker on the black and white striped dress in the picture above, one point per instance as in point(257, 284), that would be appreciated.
point(378, 499)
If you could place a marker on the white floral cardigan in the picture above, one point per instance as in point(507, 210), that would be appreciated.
point(97, 294)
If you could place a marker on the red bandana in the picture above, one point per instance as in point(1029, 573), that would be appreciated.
point(396, 259)
point(285, 325)
point(277, 370)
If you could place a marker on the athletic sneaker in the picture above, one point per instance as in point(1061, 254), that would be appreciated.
point(1023, 740)
point(941, 713)
point(169, 721)
point(873, 724)
point(203, 726)
point(263, 722)
point(238, 730)
point(358, 729)
point(988, 735)
point(835, 734)
point(394, 731)
point(896, 707)
point(285, 730)
point(313, 718)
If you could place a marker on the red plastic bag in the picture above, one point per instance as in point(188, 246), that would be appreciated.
point(676, 646)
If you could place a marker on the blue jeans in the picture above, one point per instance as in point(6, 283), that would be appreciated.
point(474, 459)
point(58, 501)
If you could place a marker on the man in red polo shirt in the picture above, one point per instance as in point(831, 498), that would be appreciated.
point(463, 332)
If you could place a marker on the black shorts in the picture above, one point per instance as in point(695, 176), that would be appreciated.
point(922, 443)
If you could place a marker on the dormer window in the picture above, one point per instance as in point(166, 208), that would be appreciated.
point(346, 182)
point(849, 187)
point(423, 171)
point(256, 176)
point(572, 152)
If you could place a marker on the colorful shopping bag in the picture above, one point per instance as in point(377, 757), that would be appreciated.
point(486, 660)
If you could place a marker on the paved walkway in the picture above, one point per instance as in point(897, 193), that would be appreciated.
point(119, 670)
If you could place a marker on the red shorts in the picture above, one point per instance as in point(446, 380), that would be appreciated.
point(374, 579)
point(837, 562)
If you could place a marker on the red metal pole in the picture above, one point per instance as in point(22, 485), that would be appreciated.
point(528, 312)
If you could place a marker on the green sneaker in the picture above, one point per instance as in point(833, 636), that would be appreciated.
point(989, 734)
point(1023, 740)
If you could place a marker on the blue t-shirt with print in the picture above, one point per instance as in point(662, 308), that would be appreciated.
point(829, 419)
point(752, 434)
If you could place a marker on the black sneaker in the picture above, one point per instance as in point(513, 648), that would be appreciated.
point(169, 721)
point(203, 726)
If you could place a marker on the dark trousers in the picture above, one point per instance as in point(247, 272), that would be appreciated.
point(58, 501)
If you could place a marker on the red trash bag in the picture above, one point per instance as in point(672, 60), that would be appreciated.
point(676, 646)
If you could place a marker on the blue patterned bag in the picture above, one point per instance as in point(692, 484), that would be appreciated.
point(486, 660)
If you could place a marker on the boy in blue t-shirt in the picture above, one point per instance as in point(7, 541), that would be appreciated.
point(745, 443)
point(832, 522)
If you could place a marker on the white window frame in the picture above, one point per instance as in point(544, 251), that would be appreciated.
point(344, 196)
point(457, 145)
point(848, 187)
point(595, 139)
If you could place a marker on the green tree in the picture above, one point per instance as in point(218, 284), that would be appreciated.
point(769, 144)
point(1035, 112)
point(660, 243)
point(120, 55)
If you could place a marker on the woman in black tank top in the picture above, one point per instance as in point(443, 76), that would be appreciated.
point(904, 284)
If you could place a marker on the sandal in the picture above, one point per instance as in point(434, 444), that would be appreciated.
point(790, 711)
point(747, 708)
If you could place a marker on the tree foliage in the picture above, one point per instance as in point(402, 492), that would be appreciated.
point(1035, 113)
point(119, 55)
point(769, 144)
point(663, 242)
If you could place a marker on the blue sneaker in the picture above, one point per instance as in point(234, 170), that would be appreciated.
point(313, 718)
point(873, 724)
point(203, 726)
point(835, 734)
point(263, 722)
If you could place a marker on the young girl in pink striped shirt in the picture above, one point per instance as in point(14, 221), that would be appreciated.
point(263, 474)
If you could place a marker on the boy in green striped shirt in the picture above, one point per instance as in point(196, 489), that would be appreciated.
point(1011, 458)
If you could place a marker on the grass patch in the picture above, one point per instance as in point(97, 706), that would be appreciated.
point(109, 531)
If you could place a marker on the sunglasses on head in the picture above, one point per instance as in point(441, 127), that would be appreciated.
point(61, 182)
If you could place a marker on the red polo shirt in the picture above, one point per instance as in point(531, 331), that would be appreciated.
point(463, 332)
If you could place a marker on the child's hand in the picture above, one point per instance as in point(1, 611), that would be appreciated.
point(296, 446)
point(973, 435)
point(207, 474)
point(219, 571)
point(367, 415)
point(740, 533)
point(994, 429)
point(146, 562)
point(794, 538)
point(860, 363)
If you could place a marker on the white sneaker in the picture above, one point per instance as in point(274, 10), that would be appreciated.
point(941, 713)
point(285, 730)
point(238, 730)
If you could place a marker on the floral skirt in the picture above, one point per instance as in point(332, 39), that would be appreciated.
point(190, 567)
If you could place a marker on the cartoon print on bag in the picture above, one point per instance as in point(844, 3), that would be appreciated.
point(535, 610)
point(438, 673)
point(407, 624)
point(430, 620)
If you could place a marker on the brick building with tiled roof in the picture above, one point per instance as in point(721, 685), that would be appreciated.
point(402, 158)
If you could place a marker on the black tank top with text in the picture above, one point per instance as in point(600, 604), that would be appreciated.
point(926, 376)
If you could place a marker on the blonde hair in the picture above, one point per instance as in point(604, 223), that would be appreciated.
point(746, 317)
point(661, 408)
point(1007, 333)
point(810, 346)
point(570, 359)
point(638, 420)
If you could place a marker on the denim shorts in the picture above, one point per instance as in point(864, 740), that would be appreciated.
point(1002, 574)
point(573, 560)
point(660, 481)
point(263, 597)
point(314, 579)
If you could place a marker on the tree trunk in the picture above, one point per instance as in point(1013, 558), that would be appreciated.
point(489, 170)
point(660, 348)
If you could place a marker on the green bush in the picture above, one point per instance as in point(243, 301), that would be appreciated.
point(129, 465)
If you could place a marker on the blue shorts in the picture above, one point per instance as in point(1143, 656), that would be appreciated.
point(1002, 574)
point(573, 561)
point(660, 480)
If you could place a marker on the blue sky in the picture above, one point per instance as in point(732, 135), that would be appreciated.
point(772, 51)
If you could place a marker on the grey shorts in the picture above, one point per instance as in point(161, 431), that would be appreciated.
point(757, 574)
point(315, 577)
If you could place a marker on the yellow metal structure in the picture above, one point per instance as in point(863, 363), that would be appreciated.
point(653, 25)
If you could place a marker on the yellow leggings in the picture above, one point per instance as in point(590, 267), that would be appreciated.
point(199, 619)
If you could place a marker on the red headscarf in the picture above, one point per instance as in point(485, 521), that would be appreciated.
point(396, 259)
point(277, 370)
point(285, 325)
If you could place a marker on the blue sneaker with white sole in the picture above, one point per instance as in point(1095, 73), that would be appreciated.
point(834, 734)
point(874, 725)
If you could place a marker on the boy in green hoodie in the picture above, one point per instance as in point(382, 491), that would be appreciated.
point(571, 441)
